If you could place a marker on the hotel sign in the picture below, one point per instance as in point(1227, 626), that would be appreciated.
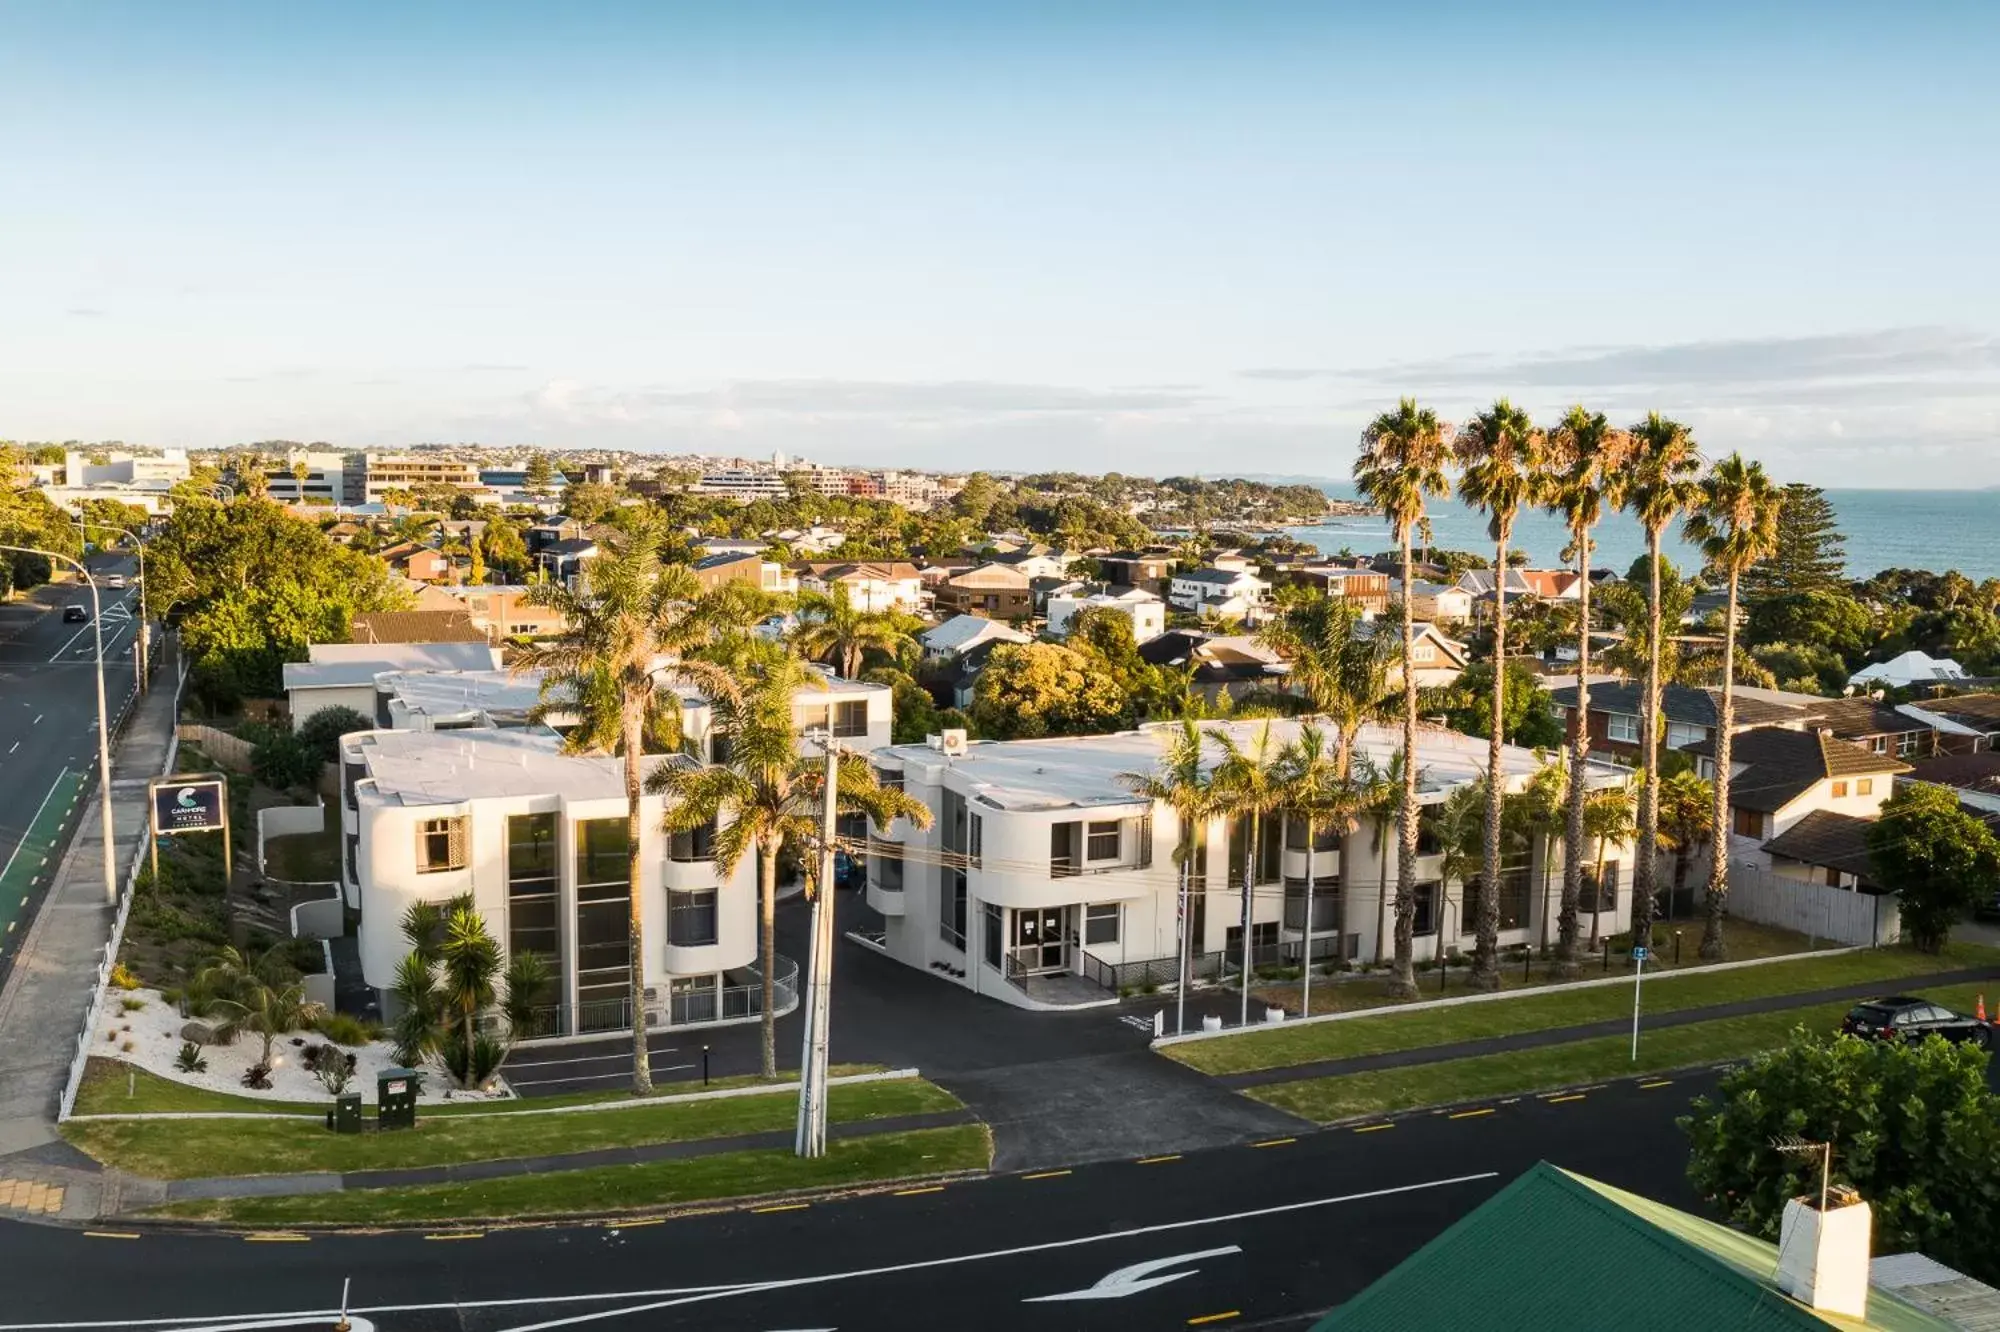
point(189, 806)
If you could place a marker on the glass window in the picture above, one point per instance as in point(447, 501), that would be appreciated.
point(601, 852)
point(1906, 744)
point(890, 778)
point(1600, 889)
point(691, 917)
point(1839, 790)
point(975, 838)
point(1100, 923)
point(994, 943)
point(1864, 786)
point(440, 845)
point(1622, 726)
point(1514, 895)
point(1326, 837)
point(850, 717)
point(1427, 908)
point(692, 845)
point(1102, 843)
point(1878, 744)
point(951, 908)
point(1748, 823)
point(1681, 734)
point(885, 866)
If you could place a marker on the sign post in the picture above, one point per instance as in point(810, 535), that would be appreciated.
point(189, 802)
point(1638, 974)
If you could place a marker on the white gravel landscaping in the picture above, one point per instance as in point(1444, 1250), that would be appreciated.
point(154, 1033)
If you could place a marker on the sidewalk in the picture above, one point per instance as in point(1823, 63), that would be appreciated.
point(1530, 1040)
point(50, 987)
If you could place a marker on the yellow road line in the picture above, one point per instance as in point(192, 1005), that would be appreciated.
point(1157, 1160)
point(1663, 1082)
point(274, 1237)
point(911, 1193)
point(1047, 1174)
point(110, 1234)
point(783, 1207)
point(458, 1235)
point(1558, 1100)
point(1373, 1128)
point(1275, 1142)
point(1473, 1114)
point(1222, 1317)
point(632, 1225)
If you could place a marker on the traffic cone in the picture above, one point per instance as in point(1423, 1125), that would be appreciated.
point(1980, 1011)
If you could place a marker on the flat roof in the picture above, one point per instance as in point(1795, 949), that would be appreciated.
point(1084, 771)
point(446, 693)
point(449, 767)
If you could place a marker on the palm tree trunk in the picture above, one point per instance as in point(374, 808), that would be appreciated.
point(1567, 963)
point(1597, 897)
point(1249, 886)
point(1486, 950)
point(635, 900)
point(1403, 980)
point(767, 913)
point(1306, 975)
point(1718, 835)
point(1649, 737)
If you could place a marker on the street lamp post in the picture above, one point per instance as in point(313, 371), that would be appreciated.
point(141, 661)
point(103, 723)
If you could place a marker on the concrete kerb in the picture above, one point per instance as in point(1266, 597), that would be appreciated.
point(1501, 996)
point(628, 1103)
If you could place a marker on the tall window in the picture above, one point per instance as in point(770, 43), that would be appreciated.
point(1427, 908)
point(692, 846)
point(1622, 726)
point(441, 845)
point(951, 908)
point(1514, 894)
point(532, 895)
point(1100, 923)
point(1101, 841)
point(691, 917)
point(1600, 888)
point(850, 717)
point(603, 931)
point(885, 865)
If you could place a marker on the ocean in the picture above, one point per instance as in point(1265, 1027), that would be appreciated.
point(1885, 529)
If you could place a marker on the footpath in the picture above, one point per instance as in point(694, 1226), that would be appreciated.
point(53, 978)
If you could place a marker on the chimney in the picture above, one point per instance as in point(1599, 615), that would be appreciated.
point(1823, 1249)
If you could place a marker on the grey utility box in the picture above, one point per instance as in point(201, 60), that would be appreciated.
point(345, 1117)
point(396, 1098)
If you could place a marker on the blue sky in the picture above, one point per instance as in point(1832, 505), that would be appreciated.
point(1150, 237)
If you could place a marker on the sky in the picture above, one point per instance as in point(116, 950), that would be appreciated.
point(1152, 237)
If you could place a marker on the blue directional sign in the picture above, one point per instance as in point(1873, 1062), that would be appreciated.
point(1639, 954)
point(184, 807)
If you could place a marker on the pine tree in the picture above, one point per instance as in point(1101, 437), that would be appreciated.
point(1811, 553)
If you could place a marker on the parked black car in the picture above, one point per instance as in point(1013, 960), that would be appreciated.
point(75, 615)
point(1900, 1017)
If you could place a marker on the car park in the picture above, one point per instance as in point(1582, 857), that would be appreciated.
point(1904, 1018)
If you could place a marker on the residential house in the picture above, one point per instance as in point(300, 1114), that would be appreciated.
point(1218, 593)
point(1146, 611)
point(962, 633)
point(424, 565)
point(1128, 568)
point(1044, 882)
point(731, 546)
point(1975, 778)
point(995, 590)
point(1478, 584)
point(1040, 563)
point(1778, 776)
point(1217, 664)
point(1549, 584)
point(342, 675)
point(551, 530)
point(1910, 668)
point(1874, 725)
point(415, 626)
point(504, 611)
point(1965, 722)
point(1438, 660)
point(1364, 587)
point(963, 682)
point(1692, 716)
point(1232, 561)
point(1824, 847)
point(1445, 603)
point(712, 571)
point(872, 585)
point(563, 561)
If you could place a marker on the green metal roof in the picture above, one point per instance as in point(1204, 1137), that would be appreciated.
point(1555, 1251)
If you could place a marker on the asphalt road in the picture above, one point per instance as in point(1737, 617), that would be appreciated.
point(48, 726)
point(1263, 1236)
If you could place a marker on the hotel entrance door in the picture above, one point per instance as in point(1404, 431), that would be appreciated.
point(1041, 939)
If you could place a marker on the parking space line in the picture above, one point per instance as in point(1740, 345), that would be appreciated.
point(110, 1234)
point(275, 1237)
point(1222, 1317)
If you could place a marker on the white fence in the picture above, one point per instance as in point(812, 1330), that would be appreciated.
point(287, 821)
point(1839, 915)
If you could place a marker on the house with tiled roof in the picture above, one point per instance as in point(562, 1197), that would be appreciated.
point(872, 585)
point(1779, 776)
point(415, 626)
point(1692, 716)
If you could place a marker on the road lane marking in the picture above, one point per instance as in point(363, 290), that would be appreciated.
point(634, 1225)
point(1222, 1317)
point(1560, 1100)
point(1373, 1128)
point(1047, 1174)
point(1275, 1142)
point(458, 1235)
point(1663, 1082)
point(275, 1237)
point(1473, 1114)
point(911, 1193)
point(16, 745)
point(38, 719)
point(1157, 1160)
point(783, 1207)
point(110, 1234)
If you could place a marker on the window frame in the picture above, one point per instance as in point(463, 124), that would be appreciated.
point(1622, 727)
point(1840, 789)
point(1096, 829)
point(1095, 915)
point(453, 829)
point(685, 904)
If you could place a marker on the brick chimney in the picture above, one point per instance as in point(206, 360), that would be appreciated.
point(1823, 1252)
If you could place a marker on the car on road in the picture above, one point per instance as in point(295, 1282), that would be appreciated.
point(115, 581)
point(1901, 1017)
point(74, 614)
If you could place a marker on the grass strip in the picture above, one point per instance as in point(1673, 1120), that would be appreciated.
point(616, 1188)
point(1388, 1029)
point(115, 1087)
point(1384, 1091)
point(197, 1148)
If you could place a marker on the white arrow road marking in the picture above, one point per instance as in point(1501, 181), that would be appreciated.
point(1139, 1276)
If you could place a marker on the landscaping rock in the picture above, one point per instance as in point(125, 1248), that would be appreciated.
point(194, 1029)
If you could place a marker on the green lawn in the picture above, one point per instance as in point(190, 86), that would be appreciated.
point(192, 1148)
point(611, 1189)
point(1541, 1009)
point(113, 1087)
point(1383, 1091)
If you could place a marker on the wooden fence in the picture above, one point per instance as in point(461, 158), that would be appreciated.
point(1839, 915)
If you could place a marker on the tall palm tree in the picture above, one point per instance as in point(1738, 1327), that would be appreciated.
point(1342, 672)
point(1585, 453)
point(1249, 784)
point(1736, 526)
point(1543, 807)
point(1503, 469)
point(1459, 824)
point(767, 796)
point(626, 640)
point(1686, 820)
point(1184, 783)
point(1317, 792)
point(1607, 818)
point(1657, 485)
point(1400, 470)
point(833, 629)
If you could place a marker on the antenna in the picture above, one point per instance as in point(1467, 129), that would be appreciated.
point(1790, 1144)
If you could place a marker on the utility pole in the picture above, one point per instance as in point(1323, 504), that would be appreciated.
point(810, 1137)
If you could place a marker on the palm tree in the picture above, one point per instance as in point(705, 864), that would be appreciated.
point(1736, 526)
point(1657, 485)
point(1342, 672)
point(1315, 790)
point(1686, 819)
point(1503, 469)
point(1585, 453)
point(1186, 785)
point(1249, 784)
point(833, 630)
point(1401, 468)
point(1607, 817)
point(452, 978)
point(627, 639)
point(767, 796)
point(1543, 806)
point(1459, 824)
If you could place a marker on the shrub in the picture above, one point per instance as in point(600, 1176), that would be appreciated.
point(122, 977)
point(283, 761)
point(258, 1077)
point(321, 732)
point(345, 1029)
point(189, 1060)
point(131, 1005)
point(307, 957)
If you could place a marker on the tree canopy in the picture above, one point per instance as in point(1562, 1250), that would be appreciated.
point(1939, 858)
point(1037, 689)
point(1811, 553)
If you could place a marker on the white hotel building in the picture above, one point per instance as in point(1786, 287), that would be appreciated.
point(1045, 883)
point(457, 794)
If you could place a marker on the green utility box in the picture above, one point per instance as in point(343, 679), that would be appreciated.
point(345, 1117)
point(396, 1098)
